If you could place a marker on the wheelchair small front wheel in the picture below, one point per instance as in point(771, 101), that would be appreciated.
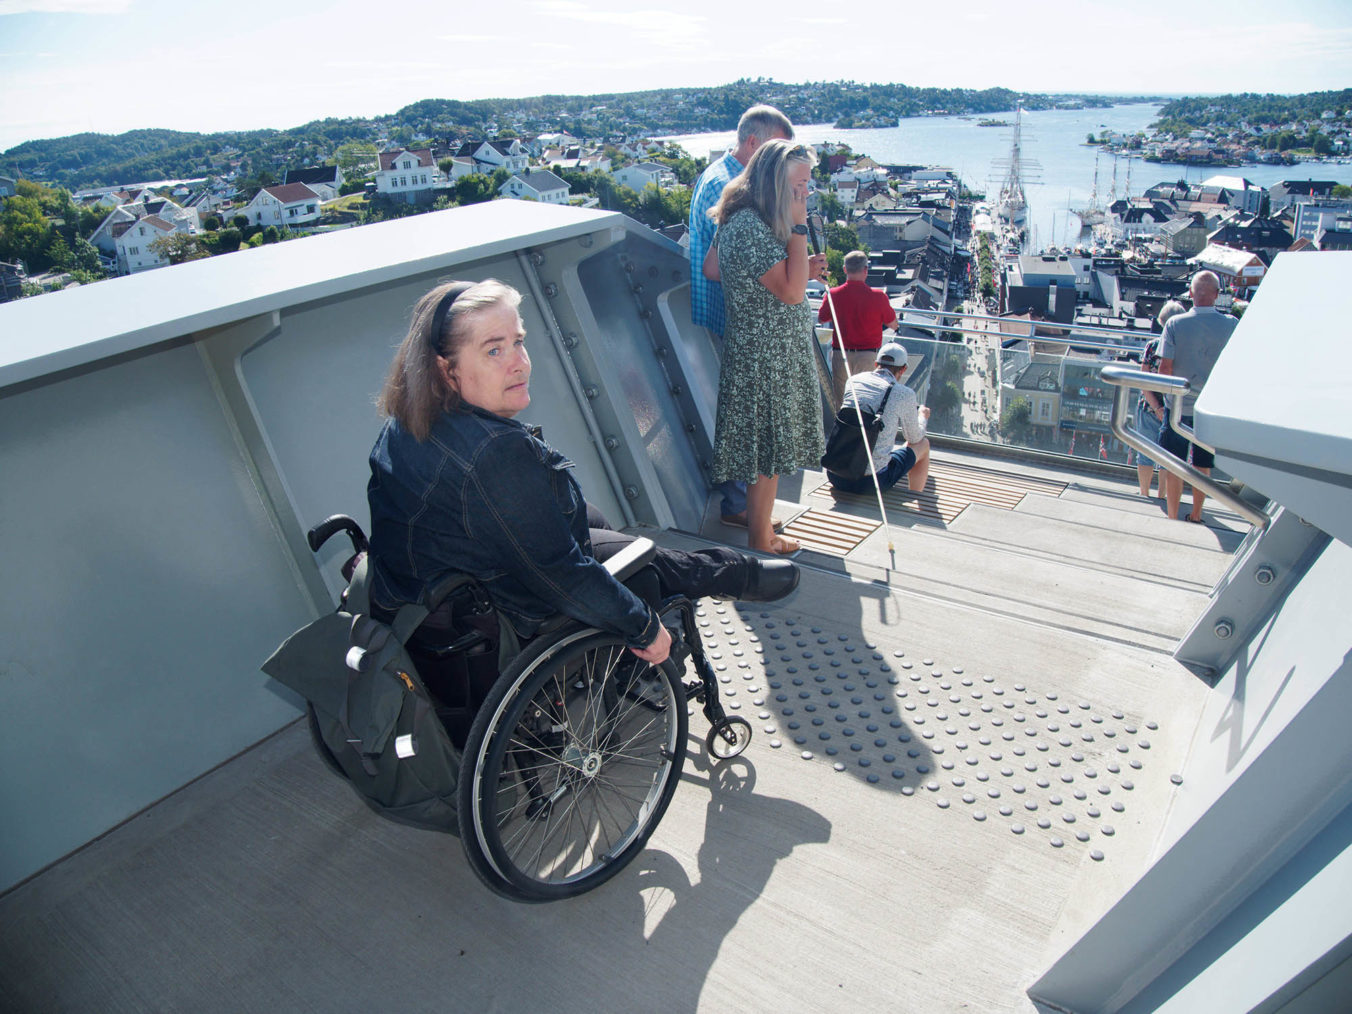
point(569, 766)
point(728, 738)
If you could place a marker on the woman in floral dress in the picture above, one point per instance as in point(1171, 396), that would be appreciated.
point(769, 405)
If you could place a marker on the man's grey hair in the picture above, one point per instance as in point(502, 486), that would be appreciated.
point(1205, 281)
point(855, 262)
point(763, 123)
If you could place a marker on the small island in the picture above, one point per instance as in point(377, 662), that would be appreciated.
point(987, 122)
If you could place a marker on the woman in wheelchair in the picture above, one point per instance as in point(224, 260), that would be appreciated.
point(570, 753)
point(459, 485)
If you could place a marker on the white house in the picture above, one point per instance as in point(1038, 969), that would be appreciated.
point(462, 167)
point(536, 184)
point(324, 180)
point(283, 204)
point(132, 244)
point(407, 171)
point(492, 155)
point(110, 238)
point(640, 174)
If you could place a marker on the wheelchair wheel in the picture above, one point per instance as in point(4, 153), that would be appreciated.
point(569, 766)
point(728, 738)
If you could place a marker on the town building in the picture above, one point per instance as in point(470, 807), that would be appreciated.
point(285, 205)
point(536, 185)
point(409, 173)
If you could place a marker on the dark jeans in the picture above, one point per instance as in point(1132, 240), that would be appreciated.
point(901, 461)
point(714, 571)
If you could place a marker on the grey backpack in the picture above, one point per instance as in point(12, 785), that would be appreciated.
point(370, 714)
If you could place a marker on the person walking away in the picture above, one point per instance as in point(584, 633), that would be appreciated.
point(861, 314)
point(1189, 347)
point(769, 419)
point(883, 390)
point(757, 125)
point(1150, 406)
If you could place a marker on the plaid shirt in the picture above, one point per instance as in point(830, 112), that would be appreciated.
point(706, 297)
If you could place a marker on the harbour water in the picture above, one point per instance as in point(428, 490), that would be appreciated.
point(1054, 139)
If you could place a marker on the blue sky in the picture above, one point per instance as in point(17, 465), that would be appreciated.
point(112, 65)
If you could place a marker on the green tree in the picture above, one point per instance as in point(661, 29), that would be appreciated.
point(25, 233)
point(1016, 421)
point(831, 208)
point(1342, 191)
point(356, 159)
point(473, 189)
point(178, 247)
point(84, 257)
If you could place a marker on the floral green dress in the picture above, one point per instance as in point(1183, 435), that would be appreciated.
point(769, 402)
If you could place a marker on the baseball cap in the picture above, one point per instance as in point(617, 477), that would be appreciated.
point(892, 354)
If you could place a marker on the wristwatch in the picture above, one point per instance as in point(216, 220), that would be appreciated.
point(799, 230)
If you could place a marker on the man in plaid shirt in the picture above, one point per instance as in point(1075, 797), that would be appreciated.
point(757, 125)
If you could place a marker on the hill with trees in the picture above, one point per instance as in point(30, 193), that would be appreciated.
point(91, 159)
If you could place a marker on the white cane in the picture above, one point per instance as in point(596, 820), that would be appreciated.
point(839, 341)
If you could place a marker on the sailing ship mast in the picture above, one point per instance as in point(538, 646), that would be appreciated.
point(1012, 206)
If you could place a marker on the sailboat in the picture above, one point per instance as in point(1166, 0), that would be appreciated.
point(1092, 215)
point(1012, 204)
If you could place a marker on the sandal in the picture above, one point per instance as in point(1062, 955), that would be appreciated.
point(784, 545)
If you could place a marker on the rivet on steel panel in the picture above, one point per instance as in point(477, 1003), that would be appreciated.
point(551, 290)
point(1224, 629)
point(1264, 575)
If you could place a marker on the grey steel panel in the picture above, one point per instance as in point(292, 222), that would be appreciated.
point(143, 587)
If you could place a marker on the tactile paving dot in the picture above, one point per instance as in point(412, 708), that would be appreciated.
point(829, 673)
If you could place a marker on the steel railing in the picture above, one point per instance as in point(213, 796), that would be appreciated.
point(1081, 336)
point(1125, 379)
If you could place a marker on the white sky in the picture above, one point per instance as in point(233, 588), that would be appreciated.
point(112, 65)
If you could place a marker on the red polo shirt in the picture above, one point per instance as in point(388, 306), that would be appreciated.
point(861, 312)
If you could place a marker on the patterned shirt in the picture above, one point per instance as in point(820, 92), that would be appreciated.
point(706, 297)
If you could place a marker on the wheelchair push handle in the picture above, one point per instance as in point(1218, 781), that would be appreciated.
point(330, 526)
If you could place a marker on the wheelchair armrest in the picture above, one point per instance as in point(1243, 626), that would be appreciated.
point(631, 558)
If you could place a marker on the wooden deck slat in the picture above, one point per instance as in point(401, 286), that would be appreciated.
point(830, 532)
point(951, 488)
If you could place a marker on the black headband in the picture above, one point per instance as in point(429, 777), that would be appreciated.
point(456, 290)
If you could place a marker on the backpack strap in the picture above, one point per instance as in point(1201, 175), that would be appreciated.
point(358, 603)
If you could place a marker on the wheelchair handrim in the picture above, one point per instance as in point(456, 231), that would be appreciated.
point(491, 757)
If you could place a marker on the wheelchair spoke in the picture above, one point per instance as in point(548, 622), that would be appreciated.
point(576, 767)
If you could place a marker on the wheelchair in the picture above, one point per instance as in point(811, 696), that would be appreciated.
point(572, 752)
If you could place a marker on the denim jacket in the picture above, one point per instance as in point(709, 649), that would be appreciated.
point(482, 496)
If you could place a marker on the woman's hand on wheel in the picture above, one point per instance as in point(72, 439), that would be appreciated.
point(657, 652)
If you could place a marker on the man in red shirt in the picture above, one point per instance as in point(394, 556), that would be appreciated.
point(861, 314)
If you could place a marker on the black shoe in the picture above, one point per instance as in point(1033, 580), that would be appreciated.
point(769, 580)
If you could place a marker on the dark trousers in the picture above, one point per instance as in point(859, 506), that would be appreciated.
point(714, 571)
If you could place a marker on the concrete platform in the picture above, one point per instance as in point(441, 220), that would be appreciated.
point(878, 847)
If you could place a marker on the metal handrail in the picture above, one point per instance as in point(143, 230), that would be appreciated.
point(1068, 339)
point(1124, 379)
point(1079, 329)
